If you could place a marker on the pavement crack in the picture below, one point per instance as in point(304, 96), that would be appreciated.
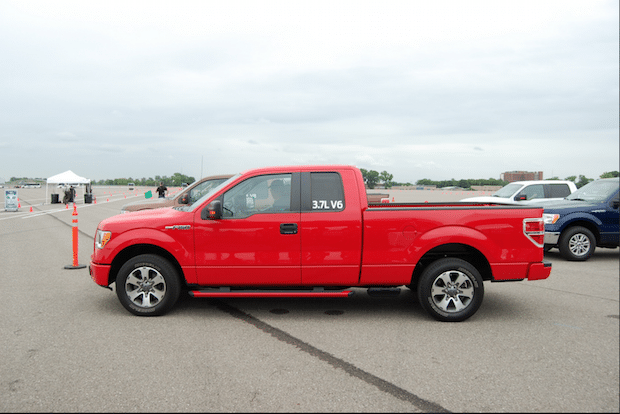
point(381, 384)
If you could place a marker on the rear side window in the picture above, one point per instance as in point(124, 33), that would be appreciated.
point(326, 192)
point(558, 190)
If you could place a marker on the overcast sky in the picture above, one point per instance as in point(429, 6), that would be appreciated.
point(421, 89)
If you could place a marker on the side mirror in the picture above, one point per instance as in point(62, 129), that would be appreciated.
point(184, 199)
point(213, 211)
point(521, 198)
point(615, 204)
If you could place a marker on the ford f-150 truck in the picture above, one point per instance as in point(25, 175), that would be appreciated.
point(586, 219)
point(310, 232)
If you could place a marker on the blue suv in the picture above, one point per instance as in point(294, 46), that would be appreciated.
point(586, 219)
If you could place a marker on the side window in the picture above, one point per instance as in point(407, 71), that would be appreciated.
point(326, 192)
point(258, 195)
point(558, 190)
point(531, 192)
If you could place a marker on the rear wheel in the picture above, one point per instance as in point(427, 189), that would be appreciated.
point(577, 243)
point(450, 290)
point(148, 285)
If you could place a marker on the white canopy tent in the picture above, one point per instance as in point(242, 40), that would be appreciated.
point(66, 178)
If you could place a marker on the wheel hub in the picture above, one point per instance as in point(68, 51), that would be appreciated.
point(146, 286)
point(452, 290)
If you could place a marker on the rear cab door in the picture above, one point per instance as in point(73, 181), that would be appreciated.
point(331, 228)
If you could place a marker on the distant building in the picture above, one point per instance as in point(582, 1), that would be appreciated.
point(512, 176)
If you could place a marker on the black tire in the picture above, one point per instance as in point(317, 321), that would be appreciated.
point(148, 285)
point(450, 290)
point(577, 243)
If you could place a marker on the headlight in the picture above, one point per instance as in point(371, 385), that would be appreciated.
point(102, 238)
point(550, 218)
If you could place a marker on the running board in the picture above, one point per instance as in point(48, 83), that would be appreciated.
point(270, 293)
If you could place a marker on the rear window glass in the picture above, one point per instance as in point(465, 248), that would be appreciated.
point(327, 192)
point(558, 190)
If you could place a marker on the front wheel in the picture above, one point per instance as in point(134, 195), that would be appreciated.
point(450, 290)
point(148, 285)
point(577, 243)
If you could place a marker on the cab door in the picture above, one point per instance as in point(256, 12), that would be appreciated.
point(610, 225)
point(257, 241)
point(331, 230)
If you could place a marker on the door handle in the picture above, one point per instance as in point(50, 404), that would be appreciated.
point(288, 228)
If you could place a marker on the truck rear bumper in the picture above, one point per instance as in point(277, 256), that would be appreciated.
point(508, 272)
point(539, 271)
point(99, 273)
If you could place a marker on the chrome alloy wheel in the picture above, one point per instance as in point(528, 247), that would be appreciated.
point(452, 291)
point(579, 244)
point(145, 287)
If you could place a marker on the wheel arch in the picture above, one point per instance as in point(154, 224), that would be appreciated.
point(457, 250)
point(593, 227)
point(138, 249)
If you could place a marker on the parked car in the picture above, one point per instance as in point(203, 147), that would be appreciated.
point(131, 185)
point(188, 196)
point(528, 192)
point(586, 219)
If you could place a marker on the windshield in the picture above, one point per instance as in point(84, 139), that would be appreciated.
point(205, 196)
point(599, 190)
point(507, 191)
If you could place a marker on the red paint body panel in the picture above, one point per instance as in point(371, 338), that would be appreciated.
point(99, 273)
point(396, 239)
point(247, 252)
point(360, 245)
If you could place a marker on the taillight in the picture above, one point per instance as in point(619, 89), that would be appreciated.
point(534, 229)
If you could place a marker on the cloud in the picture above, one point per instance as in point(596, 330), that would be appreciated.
point(421, 89)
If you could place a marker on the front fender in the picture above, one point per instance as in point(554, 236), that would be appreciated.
point(567, 220)
point(180, 249)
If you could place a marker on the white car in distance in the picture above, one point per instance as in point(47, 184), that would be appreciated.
point(528, 192)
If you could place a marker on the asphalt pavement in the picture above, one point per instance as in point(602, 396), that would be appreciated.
point(68, 345)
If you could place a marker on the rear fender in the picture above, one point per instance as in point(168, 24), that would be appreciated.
point(449, 235)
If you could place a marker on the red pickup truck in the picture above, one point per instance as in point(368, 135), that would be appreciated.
point(310, 232)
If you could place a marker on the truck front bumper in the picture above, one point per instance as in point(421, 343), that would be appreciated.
point(552, 237)
point(99, 273)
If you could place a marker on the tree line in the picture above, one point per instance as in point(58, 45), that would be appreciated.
point(176, 180)
point(372, 178)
